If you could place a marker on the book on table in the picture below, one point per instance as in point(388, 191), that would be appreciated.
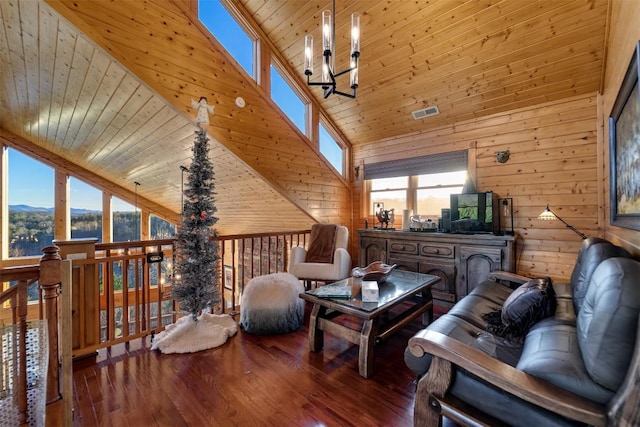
point(331, 291)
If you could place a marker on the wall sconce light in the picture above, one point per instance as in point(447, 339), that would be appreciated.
point(502, 156)
point(356, 171)
point(506, 216)
point(548, 215)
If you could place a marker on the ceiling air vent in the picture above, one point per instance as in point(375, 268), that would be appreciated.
point(425, 112)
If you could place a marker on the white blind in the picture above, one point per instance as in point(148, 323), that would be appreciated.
point(434, 163)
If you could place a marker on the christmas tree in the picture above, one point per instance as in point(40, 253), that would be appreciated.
point(195, 286)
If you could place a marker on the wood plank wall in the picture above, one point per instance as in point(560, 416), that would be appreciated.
point(143, 37)
point(624, 34)
point(554, 160)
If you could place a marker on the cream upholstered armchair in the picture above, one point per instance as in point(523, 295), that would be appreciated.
point(326, 259)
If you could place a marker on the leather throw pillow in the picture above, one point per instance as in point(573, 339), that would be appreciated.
point(528, 304)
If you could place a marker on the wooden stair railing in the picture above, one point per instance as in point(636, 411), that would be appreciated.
point(49, 276)
point(17, 298)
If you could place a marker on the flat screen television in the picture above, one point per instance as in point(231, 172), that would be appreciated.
point(474, 213)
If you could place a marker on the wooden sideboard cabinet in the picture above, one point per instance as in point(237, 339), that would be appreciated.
point(460, 260)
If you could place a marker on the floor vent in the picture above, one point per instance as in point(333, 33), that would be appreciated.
point(425, 112)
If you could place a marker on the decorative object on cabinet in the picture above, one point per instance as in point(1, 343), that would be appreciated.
point(419, 224)
point(624, 150)
point(549, 215)
point(384, 217)
point(446, 220)
point(407, 214)
point(474, 212)
point(506, 216)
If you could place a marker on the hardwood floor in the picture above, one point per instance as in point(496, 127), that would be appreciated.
point(249, 381)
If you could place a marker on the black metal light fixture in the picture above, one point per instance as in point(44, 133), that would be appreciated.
point(329, 72)
point(506, 216)
point(183, 169)
point(548, 215)
point(137, 184)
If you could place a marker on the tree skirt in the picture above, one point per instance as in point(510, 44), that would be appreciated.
point(187, 336)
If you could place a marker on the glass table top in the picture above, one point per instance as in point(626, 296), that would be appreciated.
point(398, 285)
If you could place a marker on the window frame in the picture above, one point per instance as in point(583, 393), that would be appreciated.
point(411, 191)
point(295, 88)
point(246, 28)
point(324, 124)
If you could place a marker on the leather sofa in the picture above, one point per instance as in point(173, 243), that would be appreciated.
point(579, 366)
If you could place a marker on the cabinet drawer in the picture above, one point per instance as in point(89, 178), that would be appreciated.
point(437, 250)
point(408, 264)
point(403, 247)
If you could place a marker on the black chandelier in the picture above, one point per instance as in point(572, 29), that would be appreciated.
point(329, 74)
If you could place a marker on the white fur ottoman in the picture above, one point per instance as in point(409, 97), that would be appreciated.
point(270, 304)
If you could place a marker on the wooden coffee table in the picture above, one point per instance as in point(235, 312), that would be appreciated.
point(412, 290)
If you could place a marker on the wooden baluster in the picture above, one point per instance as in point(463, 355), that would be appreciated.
point(22, 352)
point(50, 278)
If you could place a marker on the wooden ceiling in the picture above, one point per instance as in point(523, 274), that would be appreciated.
point(106, 89)
point(470, 58)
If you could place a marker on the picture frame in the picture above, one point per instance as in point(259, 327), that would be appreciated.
point(228, 277)
point(624, 150)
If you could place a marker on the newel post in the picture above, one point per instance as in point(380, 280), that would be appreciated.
point(50, 279)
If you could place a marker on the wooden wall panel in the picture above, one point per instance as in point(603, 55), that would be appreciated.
point(553, 161)
point(471, 58)
point(164, 45)
point(624, 34)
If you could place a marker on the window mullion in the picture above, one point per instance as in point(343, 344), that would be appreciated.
point(412, 193)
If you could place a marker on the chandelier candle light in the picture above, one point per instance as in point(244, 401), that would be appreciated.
point(329, 74)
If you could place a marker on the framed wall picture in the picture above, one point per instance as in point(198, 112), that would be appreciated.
point(624, 150)
point(228, 277)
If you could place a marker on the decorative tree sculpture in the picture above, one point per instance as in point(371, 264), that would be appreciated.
point(197, 253)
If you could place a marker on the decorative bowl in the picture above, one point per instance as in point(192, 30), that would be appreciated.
point(377, 271)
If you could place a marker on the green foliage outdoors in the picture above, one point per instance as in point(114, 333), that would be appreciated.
point(33, 230)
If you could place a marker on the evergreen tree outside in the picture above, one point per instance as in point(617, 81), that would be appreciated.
point(195, 286)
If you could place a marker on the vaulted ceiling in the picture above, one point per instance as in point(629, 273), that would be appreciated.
point(105, 89)
point(470, 58)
